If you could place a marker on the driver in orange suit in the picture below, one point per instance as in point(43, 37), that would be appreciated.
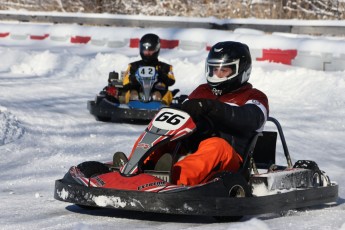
point(236, 109)
point(228, 112)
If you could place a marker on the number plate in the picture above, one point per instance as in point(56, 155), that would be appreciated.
point(147, 71)
point(170, 119)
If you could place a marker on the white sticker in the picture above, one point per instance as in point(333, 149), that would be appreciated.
point(170, 119)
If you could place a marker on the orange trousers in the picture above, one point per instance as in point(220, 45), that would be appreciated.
point(213, 155)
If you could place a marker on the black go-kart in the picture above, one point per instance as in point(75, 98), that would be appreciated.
point(260, 186)
point(108, 108)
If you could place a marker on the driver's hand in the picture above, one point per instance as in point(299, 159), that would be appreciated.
point(197, 107)
point(160, 86)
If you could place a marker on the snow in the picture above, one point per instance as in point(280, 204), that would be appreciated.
point(46, 128)
point(103, 201)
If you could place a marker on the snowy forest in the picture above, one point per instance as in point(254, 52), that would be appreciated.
point(264, 9)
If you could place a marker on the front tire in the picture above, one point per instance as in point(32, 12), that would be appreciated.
point(93, 168)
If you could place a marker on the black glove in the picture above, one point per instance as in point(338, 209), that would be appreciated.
point(197, 107)
point(160, 86)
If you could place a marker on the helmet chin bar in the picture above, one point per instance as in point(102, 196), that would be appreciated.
point(216, 79)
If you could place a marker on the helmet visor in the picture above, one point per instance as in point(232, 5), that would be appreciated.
point(149, 46)
point(218, 71)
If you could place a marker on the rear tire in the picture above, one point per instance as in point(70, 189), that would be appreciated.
point(317, 176)
point(236, 186)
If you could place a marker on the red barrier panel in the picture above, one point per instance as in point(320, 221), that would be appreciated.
point(278, 56)
point(165, 44)
point(134, 42)
point(2, 35)
point(80, 39)
point(169, 44)
point(39, 37)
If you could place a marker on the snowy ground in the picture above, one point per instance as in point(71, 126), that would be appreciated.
point(46, 128)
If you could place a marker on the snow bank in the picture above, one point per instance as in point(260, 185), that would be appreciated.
point(10, 127)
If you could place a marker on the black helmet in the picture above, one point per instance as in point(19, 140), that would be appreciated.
point(235, 55)
point(150, 42)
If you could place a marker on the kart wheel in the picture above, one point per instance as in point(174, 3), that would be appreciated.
point(237, 191)
point(236, 186)
point(93, 168)
point(325, 179)
point(89, 169)
point(318, 178)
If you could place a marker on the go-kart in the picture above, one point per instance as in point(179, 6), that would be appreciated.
point(260, 186)
point(112, 108)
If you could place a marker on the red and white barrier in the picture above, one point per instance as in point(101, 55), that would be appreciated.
point(312, 60)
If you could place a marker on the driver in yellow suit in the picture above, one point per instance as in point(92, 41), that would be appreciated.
point(149, 50)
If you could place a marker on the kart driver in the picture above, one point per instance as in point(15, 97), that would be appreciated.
point(236, 109)
point(228, 112)
point(149, 51)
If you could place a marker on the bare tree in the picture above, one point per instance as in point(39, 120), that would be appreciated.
point(275, 9)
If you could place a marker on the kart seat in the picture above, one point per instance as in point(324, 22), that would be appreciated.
point(264, 154)
point(261, 152)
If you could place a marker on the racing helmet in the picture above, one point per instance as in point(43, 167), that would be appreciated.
point(228, 54)
point(150, 42)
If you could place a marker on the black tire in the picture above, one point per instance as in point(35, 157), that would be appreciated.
point(316, 172)
point(93, 168)
point(89, 169)
point(237, 186)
